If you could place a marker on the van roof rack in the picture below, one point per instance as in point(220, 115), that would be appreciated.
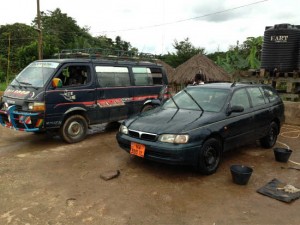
point(99, 53)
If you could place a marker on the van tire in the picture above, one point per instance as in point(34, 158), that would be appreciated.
point(74, 129)
point(147, 108)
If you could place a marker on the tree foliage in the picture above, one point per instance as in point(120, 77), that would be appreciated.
point(240, 57)
point(184, 51)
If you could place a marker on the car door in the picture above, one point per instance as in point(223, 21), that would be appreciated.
point(261, 110)
point(239, 128)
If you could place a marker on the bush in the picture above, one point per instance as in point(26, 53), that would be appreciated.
point(2, 86)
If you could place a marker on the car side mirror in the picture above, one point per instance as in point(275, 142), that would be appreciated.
point(56, 83)
point(235, 109)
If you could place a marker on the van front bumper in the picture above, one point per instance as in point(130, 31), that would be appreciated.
point(20, 120)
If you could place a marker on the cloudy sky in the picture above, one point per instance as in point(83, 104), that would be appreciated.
point(153, 25)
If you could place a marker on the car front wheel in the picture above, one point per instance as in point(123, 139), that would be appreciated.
point(210, 156)
point(270, 139)
point(74, 129)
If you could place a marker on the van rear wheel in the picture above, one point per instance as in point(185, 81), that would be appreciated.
point(74, 129)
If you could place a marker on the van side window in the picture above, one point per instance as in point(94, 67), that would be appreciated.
point(75, 75)
point(256, 96)
point(110, 76)
point(147, 76)
point(240, 98)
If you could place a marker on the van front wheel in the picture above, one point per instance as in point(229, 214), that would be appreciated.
point(74, 129)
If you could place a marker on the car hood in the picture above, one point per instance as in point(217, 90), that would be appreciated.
point(160, 120)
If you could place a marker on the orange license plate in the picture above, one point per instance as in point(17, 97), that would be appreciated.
point(137, 149)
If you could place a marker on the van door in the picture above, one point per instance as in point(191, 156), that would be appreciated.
point(113, 93)
point(76, 94)
point(148, 82)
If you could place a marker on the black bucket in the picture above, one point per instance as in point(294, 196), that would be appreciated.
point(240, 174)
point(282, 154)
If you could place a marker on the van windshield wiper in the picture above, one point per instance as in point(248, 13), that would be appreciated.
point(18, 81)
point(194, 100)
point(25, 83)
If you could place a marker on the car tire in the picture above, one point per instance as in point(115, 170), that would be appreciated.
point(210, 156)
point(147, 108)
point(270, 139)
point(74, 129)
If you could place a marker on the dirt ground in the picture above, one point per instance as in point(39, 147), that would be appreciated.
point(46, 181)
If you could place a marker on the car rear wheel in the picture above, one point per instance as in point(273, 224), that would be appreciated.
point(270, 139)
point(74, 129)
point(210, 156)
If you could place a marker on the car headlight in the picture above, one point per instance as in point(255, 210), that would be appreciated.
point(123, 129)
point(36, 106)
point(174, 138)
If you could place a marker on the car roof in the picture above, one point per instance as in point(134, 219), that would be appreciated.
point(226, 85)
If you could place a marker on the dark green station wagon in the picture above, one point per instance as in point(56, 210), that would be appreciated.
point(199, 123)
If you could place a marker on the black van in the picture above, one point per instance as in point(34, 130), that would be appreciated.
point(68, 95)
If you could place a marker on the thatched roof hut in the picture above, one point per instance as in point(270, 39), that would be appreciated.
point(185, 73)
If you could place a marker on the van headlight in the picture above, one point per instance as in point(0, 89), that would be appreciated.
point(174, 138)
point(36, 106)
point(123, 129)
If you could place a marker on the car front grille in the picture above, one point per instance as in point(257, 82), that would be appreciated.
point(143, 135)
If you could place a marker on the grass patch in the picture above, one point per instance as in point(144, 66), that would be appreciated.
point(2, 86)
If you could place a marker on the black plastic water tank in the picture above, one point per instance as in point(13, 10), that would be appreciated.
point(280, 48)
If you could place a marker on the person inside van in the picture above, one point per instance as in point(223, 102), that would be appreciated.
point(76, 76)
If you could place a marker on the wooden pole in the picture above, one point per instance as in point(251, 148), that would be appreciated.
point(40, 40)
point(8, 59)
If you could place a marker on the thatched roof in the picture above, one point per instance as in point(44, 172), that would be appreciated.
point(169, 69)
point(185, 73)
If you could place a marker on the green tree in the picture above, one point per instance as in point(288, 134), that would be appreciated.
point(14, 36)
point(184, 51)
point(63, 30)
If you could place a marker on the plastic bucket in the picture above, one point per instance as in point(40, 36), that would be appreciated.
point(282, 154)
point(240, 174)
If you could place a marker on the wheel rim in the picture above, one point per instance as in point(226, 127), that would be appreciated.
point(211, 157)
point(272, 135)
point(75, 129)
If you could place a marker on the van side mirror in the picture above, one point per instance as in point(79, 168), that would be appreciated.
point(235, 109)
point(56, 83)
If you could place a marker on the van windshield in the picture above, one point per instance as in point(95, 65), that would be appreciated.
point(35, 74)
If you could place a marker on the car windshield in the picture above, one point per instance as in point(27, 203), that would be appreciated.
point(209, 99)
point(36, 74)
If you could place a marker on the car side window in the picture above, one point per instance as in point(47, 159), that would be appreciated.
point(110, 76)
point(256, 96)
point(270, 94)
point(240, 98)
